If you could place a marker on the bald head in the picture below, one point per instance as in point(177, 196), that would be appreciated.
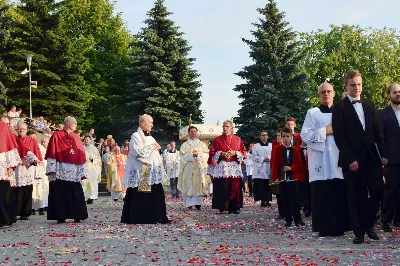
point(326, 94)
point(146, 122)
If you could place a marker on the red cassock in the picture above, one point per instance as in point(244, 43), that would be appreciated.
point(8, 139)
point(66, 147)
point(224, 143)
point(32, 145)
point(297, 164)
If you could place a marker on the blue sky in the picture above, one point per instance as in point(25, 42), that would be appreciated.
point(214, 29)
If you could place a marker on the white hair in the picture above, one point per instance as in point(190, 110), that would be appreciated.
point(143, 117)
point(229, 122)
point(323, 84)
point(70, 119)
point(22, 124)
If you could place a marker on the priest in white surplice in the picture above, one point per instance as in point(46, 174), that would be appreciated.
point(93, 170)
point(193, 180)
point(330, 216)
point(261, 157)
point(144, 202)
point(40, 192)
point(172, 168)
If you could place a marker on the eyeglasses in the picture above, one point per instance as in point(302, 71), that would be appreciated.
point(327, 92)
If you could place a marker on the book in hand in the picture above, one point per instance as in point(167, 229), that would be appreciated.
point(379, 154)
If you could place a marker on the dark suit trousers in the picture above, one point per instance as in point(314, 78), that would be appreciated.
point(364, 193)
point(391, 192)
point(290, 201)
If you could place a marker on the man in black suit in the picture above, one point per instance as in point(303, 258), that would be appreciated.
point(390, 119)
point(356, 131)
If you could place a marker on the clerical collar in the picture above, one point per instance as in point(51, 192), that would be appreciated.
point(144, 132)
point(170, 151)
point(325, 109)
point(264, 144)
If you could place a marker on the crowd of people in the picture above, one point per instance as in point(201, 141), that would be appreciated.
point(342, 169)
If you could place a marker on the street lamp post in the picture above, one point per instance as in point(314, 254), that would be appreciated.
point(29, 61)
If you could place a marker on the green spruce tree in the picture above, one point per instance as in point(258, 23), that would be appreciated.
point(161, 80)
point(5, 27)
point(275, 86)
point(58, 62)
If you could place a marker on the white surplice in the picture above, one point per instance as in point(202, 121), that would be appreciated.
point(172, 164)
point(40, 191)
point(261, 169)
point(323, 153)
point(93, 170)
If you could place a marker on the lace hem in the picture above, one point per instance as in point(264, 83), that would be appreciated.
point(225, 170)
point(12, 158)
point(25, 177)
point(29, 159)
point(132, 177)
point(65, 171)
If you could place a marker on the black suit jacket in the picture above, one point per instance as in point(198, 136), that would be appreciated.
point(391, 134)
point(355, 143)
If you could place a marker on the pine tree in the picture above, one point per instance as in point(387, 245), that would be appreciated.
point(58, 62)
point(162, 82)
point(5, 25)
point(276, 86)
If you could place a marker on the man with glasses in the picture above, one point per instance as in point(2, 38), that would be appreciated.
point(330, 215)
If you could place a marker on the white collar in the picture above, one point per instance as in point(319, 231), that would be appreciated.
point(353, 99)
point(192, 141)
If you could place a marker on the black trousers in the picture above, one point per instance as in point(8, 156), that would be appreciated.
point(396, 217)
point(391, 192)
point(279, 203)
point(364, 193)
point(305, 195)
point(250, 184)
point(24, 200)
point(290, 201)
point(4, 202)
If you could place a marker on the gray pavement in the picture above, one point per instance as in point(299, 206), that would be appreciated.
point(204, 237)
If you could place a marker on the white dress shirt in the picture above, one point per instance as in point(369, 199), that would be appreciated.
point(359, 109)
point(397, 113)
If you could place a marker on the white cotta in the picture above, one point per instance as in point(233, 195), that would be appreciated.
point(142, 151)
point(93, 171)
point(40, 191)
point(249, 163)
point(261, 169)
point(323, 154)
point(225, 169)
point(172, 164)
point(8, 159)
point(26, 176)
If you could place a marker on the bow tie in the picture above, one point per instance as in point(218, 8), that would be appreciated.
point(288, 148)
point(356, 101)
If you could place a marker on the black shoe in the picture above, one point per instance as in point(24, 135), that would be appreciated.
point(280, 217)
point(41, 212)
point(33, 212)
point(371, 234)
point(288, 224)
point(24, 218)
point(221, 210)
point(198, 207)
point(396, 224)
point(89, 201)
point(323, 234)
point(386, 228)
point(299, 223)
point(307, 213)
point(77, 221)
point(115, 200)
point(358, 240)
point(268, 204)
point(13, 220)
point(234, 212)
point(167, 221)
point(61, 221)
point(263, 204)
point(191, 207)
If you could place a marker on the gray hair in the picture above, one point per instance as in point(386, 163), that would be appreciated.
point(143, 117)
point(229, 122)
point(70, 119)
point(22, 124)
point(324, 84)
